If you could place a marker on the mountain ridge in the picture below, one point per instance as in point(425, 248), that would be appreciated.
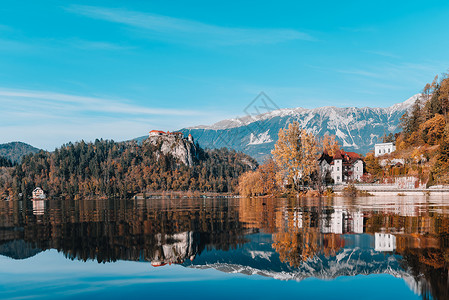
point(14, 151)
point(357, 129)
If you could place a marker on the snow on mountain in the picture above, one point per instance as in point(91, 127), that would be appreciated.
point(357, 129)
point(260, 138)
point(255, 258)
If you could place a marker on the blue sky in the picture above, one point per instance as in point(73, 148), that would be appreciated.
point(72, 70)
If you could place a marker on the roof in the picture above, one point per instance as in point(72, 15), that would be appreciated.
point(325, 156)
point(338, 155)
point(157, 131)
point(347, 157)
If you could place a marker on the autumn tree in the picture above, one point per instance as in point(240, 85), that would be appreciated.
point(440, 169)
point(251, 184)
point(432, 130)
point(296, 153)
point(268, 172)
point(330, 144)
point(444, 95)
point(372, 165)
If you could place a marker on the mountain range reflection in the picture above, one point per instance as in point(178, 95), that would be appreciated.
point(283, 239)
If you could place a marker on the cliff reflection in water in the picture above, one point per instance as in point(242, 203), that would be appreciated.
point(284, 239)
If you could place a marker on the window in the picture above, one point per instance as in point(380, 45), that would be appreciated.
point(338, 178)
point(388, 150)
point(338, 169)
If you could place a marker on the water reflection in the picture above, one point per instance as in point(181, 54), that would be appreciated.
point(406, 237)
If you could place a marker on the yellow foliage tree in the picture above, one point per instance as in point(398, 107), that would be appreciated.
point(444, 95)
point(330, 144)
point(268, 174)
point(296, 153)
point(251, 184)
point(432, 130)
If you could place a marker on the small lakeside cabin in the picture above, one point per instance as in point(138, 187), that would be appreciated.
point(38, 194)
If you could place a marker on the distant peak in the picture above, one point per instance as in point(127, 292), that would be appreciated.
point(406, 104)
point(285, 112)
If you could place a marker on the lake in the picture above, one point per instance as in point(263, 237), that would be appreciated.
point(363, 248)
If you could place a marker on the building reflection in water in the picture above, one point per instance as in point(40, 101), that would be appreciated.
point(284, 239)
point(38, 207)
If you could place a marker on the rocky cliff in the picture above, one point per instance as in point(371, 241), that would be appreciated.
point(176, 145)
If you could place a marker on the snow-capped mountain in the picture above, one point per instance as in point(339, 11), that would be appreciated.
point(257, 257)
point(357, 129)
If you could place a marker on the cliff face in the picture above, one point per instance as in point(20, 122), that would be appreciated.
point(178, 146)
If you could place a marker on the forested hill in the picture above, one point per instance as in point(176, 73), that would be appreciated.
point(5, 162)
point(15, 150)
point(107, 168)
point(422, 148)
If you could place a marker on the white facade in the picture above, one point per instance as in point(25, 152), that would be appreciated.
point(38, 193)
point(384, 242)
point(336, 170)
point(343, 221)
point(383, 148)
point(155, 133)
point(358, 170)
point(357, 222)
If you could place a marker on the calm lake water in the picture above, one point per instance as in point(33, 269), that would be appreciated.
point(365, 248)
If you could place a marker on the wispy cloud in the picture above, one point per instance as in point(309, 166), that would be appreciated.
point(188, 31)
point(47, 119)
point(82, 103)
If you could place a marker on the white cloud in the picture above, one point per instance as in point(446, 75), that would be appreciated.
point(47, 120)
point(187, 31)
point(82, 103)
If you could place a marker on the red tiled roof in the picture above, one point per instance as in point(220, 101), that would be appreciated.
point(351, 155)
point(338, 155)
point(348, 158)
point(157, 131)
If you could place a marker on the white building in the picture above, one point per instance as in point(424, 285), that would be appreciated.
point(384, 242)
point(343, 166)
point(383, 148)
point(38, 193)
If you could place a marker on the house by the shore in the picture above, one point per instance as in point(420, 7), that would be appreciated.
point(38, 194)
point(343, 167)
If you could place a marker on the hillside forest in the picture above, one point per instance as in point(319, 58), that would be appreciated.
point(422, 147)
point(110, 169)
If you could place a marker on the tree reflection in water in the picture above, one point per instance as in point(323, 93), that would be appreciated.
point(287, 239)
